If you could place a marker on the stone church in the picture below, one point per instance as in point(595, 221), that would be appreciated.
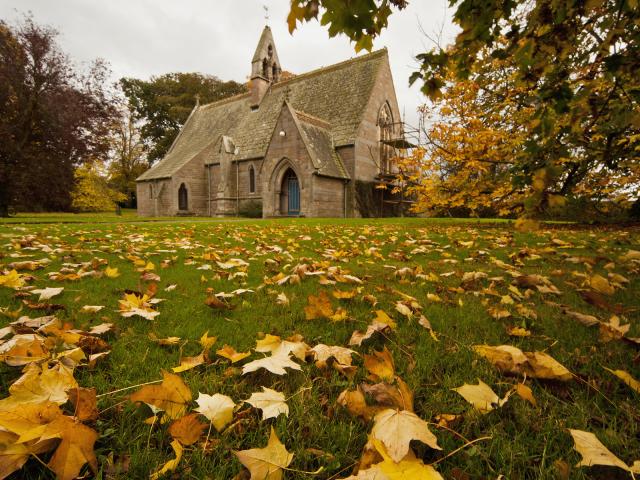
point(298, 146)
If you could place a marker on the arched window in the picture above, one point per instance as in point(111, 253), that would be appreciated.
point(385, 133)
point(183, 198)
point(265, 68)
point(274, 73)
point(151, 190)
point(270, 51)
point(252, 179)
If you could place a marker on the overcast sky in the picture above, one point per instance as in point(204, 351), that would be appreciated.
point(141, 38)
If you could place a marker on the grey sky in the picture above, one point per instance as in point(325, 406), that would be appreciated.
point(140, 38)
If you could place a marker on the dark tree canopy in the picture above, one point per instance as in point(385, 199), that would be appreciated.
point(163, 104)
point(52, 118)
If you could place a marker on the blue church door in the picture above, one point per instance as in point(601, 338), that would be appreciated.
point(293, 193)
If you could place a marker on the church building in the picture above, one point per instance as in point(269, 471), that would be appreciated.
point(308, 145)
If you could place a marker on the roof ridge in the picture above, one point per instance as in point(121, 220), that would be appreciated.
point(328, 68)
point(222, 101)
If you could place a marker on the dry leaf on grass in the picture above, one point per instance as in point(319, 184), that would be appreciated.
point(409, 468)
point(266, 463)
point(230, 353)
point(626, 378)
point(84, 403)
point(187, 430)
point(481, 396)
point(509, 359)
point(595, 453)
point(396, 428)
point(187, 363)
point(171, 396)
point(172, 464)
point(217, 408)
point(271, 403)
point(274, 363)
point(380, 364)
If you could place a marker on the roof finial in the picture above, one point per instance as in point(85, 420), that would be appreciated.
point(197, 99)
point(266, 15)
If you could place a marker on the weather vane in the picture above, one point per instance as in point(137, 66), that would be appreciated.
point(266, 14)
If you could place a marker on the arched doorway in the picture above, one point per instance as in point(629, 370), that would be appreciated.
point(290, 194)
point(183, 198)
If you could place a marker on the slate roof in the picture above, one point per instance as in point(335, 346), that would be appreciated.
point(336, 95)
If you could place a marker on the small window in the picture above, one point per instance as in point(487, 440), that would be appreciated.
point(265, 68)
point(252, 180)
point(274, 73)
point(151, 190)
point(183, 199)
point(270, 51)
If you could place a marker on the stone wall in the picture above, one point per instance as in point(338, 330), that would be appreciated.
point(367, 148)
point(286, 152)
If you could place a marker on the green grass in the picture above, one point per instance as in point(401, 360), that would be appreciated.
point(526, 442)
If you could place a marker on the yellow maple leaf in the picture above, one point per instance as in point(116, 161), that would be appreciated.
point(217, 408)
point(171, 396)
point(266, 463)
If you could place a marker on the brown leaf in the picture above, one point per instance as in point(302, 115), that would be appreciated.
point(84, 402)
point(172, 395)
point(380, 364)
point(387, 395)
point(187, 430)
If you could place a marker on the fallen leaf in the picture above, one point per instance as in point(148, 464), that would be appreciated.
point(187, 363)
point(274, 363)
point(509, 359)
point(230, 353)
point(171, 396)
point(396, 428)
point(187, 430)
point(84, 403)
point(217, 408)
point(271, 403)
point(47, 293)
point(171, 465)
point(595, 453)
point(266, 463)
point(481, 396)
point(133, 304)
point(111, 272)
point(318, 306)
point(525, 392)
point(626, 378)
point(207, 342)
point(380, 364)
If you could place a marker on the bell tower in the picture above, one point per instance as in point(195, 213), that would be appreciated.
point(265, 67)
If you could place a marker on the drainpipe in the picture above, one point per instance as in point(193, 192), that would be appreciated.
point(237, 189)
point(344, 195)
point(155, 198)
point(209, 190)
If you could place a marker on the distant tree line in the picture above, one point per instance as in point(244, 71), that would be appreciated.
point(72, 140)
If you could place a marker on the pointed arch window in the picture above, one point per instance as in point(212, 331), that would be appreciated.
point(252, 179)
point(183, 198)
point(385, 133)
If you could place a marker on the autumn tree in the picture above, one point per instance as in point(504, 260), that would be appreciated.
point(127, 156)
point(52, 118)
point(91, 192)
point(163, 104)
point(576, 63)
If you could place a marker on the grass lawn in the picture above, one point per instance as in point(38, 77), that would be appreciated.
point(395, 259)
